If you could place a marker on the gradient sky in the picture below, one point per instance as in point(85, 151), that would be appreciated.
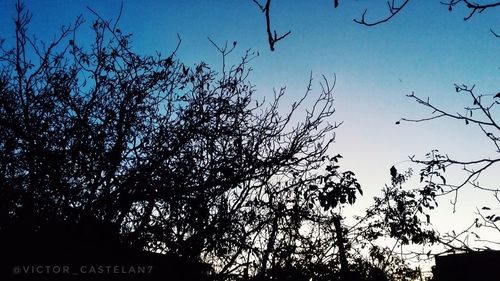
point(424, 49)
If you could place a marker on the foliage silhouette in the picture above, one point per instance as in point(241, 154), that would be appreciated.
point(175, 164)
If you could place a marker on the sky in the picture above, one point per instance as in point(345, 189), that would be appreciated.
point(425, 49)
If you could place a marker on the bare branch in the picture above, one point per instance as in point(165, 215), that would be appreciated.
point(272, 37)
point(494, 33)
point(473, 7)
point(443, 113)
point(393, 10)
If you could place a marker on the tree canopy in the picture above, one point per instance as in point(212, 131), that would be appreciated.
point(177, 159)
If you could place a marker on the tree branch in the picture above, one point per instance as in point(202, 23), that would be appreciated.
point(473, 7)
point(393, 10)
point(272, 37)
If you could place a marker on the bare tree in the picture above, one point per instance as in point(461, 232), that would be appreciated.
point(483, 113)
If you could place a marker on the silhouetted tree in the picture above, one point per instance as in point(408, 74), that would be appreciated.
point(392, 226)
point(182, 160)
point(171, 158)
point(483, 113)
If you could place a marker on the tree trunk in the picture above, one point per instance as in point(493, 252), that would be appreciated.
point(344, 266)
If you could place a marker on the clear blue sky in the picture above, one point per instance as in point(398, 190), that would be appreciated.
point(424, 49)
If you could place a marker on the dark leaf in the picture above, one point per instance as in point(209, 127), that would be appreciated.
point(336, 158)
point(358, 187)
point(393, 171)
point(485, 208)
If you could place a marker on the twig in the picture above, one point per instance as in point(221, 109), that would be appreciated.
point(393, 10)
